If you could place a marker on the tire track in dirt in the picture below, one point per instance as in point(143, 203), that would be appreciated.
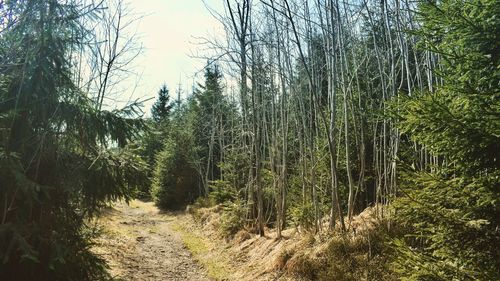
point(138, 244)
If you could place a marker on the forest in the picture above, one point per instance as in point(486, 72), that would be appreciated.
point(310, 114)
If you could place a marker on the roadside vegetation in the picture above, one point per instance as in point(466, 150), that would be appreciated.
point(341, 109)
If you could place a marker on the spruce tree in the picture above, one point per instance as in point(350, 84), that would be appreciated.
point(209, 111)
point(158, 130)
point(61, 157)
point(452, 211)
point(162, 107)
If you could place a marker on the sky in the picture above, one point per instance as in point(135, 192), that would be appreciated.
point(169, 31)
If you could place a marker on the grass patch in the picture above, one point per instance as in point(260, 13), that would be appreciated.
point(345, 257)
point(216, 266)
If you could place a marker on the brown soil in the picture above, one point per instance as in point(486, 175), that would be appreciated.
point(139, 244)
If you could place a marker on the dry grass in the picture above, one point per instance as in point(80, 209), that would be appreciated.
point(359, 254)
point(241, 236)
point(205, 251)
point(356, 255)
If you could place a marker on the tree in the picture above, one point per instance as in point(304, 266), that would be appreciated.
point(162, 107)
point(209, 113)
point(175, 180)
point(452, 210)
point(153, 139)
point(62, 157)
point(157, 133)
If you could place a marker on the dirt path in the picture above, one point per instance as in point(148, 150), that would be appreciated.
point(139, 244)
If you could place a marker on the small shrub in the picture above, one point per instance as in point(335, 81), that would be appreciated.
point(221, 192)
point(303, 215)
point(233, 218)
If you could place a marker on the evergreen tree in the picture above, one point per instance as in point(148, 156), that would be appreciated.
point(209, 112)
point(158, 128)
point(61, 157)
point(453, 211)
point(190, 158)
point(162, 107)
point(175, 180)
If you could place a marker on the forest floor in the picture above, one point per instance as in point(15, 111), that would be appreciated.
point(139, 243)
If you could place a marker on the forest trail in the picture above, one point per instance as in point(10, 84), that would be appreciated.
point(139, 244)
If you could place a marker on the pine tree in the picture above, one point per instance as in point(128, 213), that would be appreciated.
point(61, 157)
point(162, 107)
point(453, 210)
point(175, 180)
point(209, 112)
point(158, 130)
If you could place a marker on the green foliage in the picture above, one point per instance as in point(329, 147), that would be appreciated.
point(235, 168)
point(156, 134)
point(303, 215)
point(452, 224)
point(233, 218)
point(208, 113)
point(188, 165)
point(161, 108)
point(148, 147)
point(61, 156)
point(300, 209)
point(452, 214)
point(450, 124)
point(221, 192)
point(175, 181)
point(164, 182)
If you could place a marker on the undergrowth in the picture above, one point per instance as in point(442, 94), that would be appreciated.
point(346, 257)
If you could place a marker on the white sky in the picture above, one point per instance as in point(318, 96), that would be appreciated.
point(168, 33)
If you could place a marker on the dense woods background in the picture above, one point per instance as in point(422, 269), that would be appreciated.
point(310, 112)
